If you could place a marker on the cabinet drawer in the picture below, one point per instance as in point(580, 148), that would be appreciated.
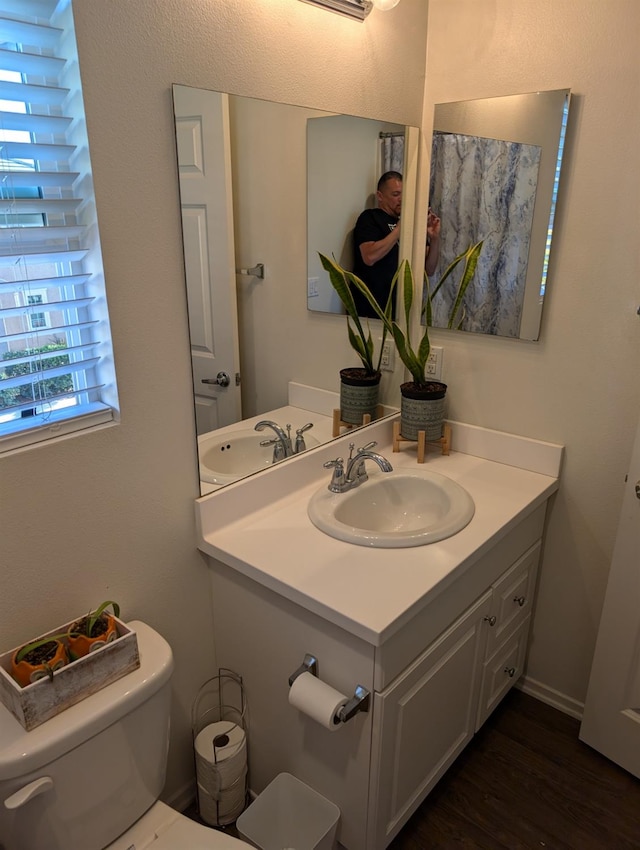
point(502, 671)
point(512, 599)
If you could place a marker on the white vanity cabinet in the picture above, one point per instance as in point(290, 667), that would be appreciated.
point(433, 683)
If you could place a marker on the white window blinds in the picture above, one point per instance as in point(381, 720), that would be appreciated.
point(56, 372)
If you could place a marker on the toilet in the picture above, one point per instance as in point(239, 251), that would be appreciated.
point(90, 778)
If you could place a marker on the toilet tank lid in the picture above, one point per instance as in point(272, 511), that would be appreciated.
point(22, 752)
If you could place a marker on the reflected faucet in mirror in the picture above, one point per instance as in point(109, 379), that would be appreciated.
point(282, 445)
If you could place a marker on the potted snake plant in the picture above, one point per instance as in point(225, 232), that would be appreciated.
point(422, 399)
point(359, 385)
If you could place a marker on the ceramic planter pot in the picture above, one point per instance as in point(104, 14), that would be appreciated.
point(422, 409)
point(104, 631)
point(358, 395)
point(40, 662)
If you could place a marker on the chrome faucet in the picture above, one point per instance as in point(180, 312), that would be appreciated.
point(356, 473)
point(281, 443)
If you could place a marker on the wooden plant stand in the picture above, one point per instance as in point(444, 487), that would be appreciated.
point(444, 442)
point(338, 424)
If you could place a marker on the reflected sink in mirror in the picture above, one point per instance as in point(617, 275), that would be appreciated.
point(394, 510)
point(225, 458)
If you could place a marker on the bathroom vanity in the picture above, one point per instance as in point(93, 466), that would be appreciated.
point(437, 633)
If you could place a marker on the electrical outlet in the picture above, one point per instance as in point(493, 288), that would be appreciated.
point(434, 363)
point(387, 363)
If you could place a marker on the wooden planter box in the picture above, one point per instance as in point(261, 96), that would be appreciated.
point(45, 698)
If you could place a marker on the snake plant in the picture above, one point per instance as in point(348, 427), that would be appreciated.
point(415, 358)
point(361, 342)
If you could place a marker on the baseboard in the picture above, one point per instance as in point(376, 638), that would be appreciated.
point(550, 696)
point(182, 799)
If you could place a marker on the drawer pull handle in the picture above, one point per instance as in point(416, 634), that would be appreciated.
point(520, 600)
point(490, 620)
point(511, 671)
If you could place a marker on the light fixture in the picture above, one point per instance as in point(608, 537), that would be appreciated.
point(358, 9)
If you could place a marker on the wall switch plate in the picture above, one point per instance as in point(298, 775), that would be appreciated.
point(387, 363)
point(312, 287)
point(434, 363)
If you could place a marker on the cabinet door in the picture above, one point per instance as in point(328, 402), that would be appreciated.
point(422, 721)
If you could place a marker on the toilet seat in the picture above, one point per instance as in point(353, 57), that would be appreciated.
point(173, 831)
point(184, 833)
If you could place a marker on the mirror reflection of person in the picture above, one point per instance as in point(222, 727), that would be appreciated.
point(432, 253)
point(375, 242)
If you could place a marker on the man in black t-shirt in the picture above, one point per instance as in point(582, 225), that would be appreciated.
point(375, 243)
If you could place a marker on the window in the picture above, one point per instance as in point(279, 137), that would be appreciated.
point(56, 365)
point(37, 320)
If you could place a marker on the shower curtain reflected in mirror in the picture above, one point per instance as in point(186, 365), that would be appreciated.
point(391, 152)
point(484, 189)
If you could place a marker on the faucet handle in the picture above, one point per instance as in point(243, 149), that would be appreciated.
point(300, 445)
point(368, 446)
point(337, 479)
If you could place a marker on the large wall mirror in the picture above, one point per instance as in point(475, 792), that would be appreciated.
point(244, 173)
point(495, 170)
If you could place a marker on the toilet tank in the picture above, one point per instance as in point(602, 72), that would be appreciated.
point(82, 778)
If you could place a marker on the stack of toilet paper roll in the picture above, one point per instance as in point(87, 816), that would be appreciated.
point(221, 768)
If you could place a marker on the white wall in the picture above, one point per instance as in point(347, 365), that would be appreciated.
point(579, 385)
point(109, 515)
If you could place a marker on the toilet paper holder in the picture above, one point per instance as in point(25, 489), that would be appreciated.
point(360, 700)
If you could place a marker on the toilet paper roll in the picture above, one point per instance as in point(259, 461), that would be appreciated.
point(318, 700)
point(212, 740)
point(221, 757)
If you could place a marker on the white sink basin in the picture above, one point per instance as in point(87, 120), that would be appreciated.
point(224, 459)
point(394, 510)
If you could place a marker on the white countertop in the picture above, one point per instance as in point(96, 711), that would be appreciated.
point(260, 527)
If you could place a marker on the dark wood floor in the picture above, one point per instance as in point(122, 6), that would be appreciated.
point(526, 782)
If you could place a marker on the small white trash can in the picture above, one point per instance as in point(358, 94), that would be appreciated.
point(289, 815)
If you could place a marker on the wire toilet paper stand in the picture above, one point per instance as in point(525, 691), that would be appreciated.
point(219, 729)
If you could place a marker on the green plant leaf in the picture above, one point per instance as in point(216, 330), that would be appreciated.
point(93, 617)
point(470, 256)
point(26, 649)
point(361, 343)
point(424, 350)
point(407, 292)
